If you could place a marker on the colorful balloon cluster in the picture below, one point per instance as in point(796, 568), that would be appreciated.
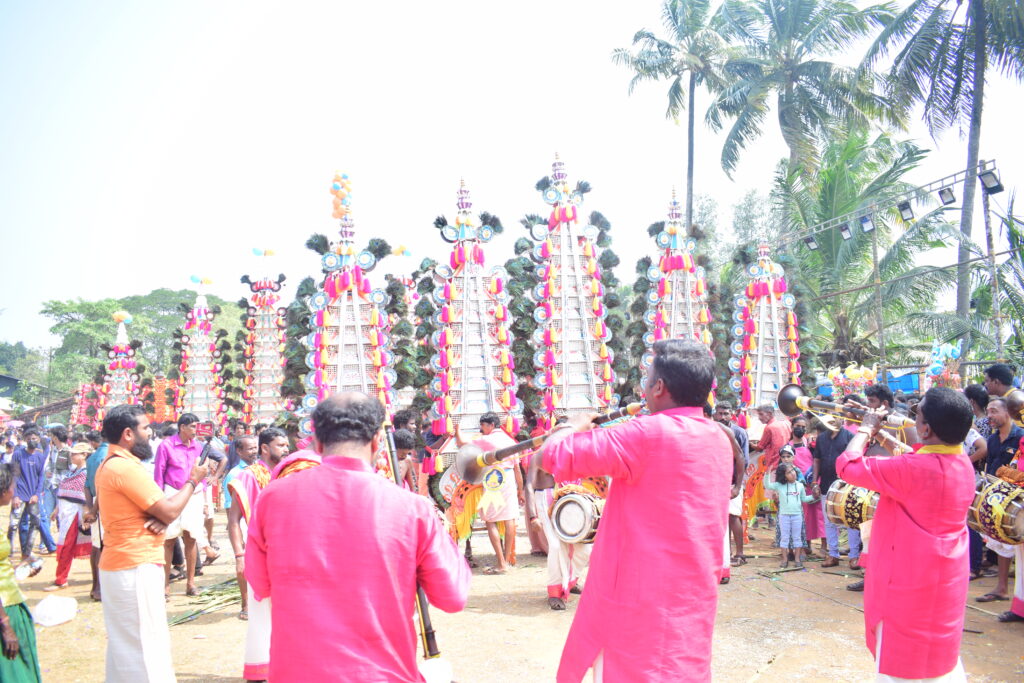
point(467, 300)
point(677, 301)
point(943, 368)
point(564, 245)
point(349, 348)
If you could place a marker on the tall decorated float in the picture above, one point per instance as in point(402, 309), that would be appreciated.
point(765, 350)
point(573, 360)
point(201, 385)
point(121, 380)
point(262, 344)
point(349, 346)
point(677, 300)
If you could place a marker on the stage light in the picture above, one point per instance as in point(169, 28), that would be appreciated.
point(906, 212)
point(990, 182)
point(946, 196)
point(866, 224)
point(811, 243)
point(844, 230)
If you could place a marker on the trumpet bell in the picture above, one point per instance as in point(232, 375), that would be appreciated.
point(788, 399)
point(466, 463)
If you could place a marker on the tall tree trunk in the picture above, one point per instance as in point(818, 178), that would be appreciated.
point(963, 284)
point(689, 149)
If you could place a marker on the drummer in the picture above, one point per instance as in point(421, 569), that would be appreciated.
point(916, 589)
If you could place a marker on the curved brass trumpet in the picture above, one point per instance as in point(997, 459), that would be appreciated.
point(471, 460)
point(793, 400)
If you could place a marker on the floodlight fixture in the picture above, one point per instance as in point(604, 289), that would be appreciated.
point(946, 196)
point(866, 224)
point(990, 182)
point(844, 230)
point(811, 243)
point(906, 212)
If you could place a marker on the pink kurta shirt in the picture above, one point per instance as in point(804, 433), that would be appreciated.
point(340, 550)
point(917, 581)
point(652, 590)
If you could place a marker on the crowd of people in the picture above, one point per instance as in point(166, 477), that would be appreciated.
point(142, 507)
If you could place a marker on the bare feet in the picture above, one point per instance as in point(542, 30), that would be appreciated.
point(243, 615)
point(495, 570)
point(191, 591)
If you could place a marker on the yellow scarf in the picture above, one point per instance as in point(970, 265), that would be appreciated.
point(942, 448)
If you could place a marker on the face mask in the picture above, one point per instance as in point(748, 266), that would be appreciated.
point(799, 431)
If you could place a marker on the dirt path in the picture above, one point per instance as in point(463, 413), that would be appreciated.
point(802, 626)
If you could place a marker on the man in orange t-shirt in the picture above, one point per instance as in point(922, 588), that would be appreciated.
point(135, 514)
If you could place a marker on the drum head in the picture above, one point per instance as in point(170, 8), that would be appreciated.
point(572, 516)
point(442, 486)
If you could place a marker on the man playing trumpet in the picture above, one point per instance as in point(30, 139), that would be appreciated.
point(917, 585)
point(655, 564)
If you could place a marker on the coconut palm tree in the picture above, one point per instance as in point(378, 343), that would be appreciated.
point(691, 55)
point(785, 62)
point(855, 173)
point(943, 52)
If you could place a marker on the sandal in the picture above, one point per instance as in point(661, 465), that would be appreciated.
point(991, 597)
point(738, 561)
point(724, 580)
point(983, 574)
point(494, 570)
point(1007, 617)
point(210, 559)
point(243, 615)
point(576, 590)
point(557, 604)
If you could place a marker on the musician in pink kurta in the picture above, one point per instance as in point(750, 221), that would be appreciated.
point(340, 551)
point(648, 610)
point(915, 591)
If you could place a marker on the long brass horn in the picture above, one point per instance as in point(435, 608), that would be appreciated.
point(471, 460)
point(792, 400)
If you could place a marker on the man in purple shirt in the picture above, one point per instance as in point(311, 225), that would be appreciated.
point(29, 468)
point(175, 457)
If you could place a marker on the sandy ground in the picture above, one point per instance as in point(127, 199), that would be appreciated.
point(798, 626)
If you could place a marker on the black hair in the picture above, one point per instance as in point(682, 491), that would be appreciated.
point(404, 417)
point(853, 397)
point(881, 392)
point(978, 394)
point(687, 369)
point(93, 435)
point(725, 405)
point(6, 477)
point(404, 439)
point(30, 431)
point(237, 442)
point(59, 433)
point(119, 419)
point(1000, 372)
point(780, 472)
point(187, 419)
point(169, 430)
point(707, 409)
point(347, 418)
point(799, 416)
point(490, 419)
point(998, 399)
point(268, 435)
point(948, 413)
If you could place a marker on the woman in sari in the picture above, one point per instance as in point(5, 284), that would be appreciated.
point(20, 661)
point(73, 539)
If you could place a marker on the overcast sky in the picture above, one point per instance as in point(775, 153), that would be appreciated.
point(143, 143)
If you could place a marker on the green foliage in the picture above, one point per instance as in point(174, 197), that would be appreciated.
point(783, 63)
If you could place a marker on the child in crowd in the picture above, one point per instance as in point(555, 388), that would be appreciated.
point(791, 514)
point(405, 444)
